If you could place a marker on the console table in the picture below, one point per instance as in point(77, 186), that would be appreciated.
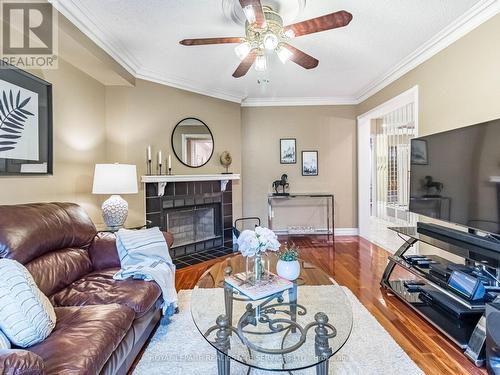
point(469, 335)
point(330, 208)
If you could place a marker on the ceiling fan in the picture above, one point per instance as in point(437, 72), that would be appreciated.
point(265, 31)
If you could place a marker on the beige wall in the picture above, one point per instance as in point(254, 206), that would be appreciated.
point(147, 114)
point(94, 123)
point(328, 129)
point(459, 86)
point(79, 142)
point(79, 136)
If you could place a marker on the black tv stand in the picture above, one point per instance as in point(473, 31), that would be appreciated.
point(467, 332)
point(469, 238)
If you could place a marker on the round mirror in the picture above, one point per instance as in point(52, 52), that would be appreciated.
point(192, 142)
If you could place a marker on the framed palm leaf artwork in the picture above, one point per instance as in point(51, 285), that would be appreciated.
point(25, 123)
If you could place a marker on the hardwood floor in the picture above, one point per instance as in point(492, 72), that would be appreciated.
point(359, 264)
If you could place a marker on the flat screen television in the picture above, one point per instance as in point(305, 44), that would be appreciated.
point(455, 176)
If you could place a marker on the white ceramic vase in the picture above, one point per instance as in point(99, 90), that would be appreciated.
point(289, 270)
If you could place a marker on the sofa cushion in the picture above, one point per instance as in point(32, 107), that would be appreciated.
point(56, 270)
point(103, 252)
point(27, 316)
point(99, 288)
point(20, 362)
point(84, 338)
point(28, 231)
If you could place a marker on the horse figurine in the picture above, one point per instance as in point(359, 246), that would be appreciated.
point(283, 183)
point(430, 184)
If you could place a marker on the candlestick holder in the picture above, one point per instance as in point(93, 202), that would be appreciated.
point(169, 171)
point(149, 168)
point(159, 166)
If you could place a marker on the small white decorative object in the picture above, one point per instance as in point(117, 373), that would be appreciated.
point(288, 265)
point(253, 245)
point(289, 270)
point(115, 179)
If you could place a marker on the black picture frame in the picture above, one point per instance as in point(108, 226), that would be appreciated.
point(419, 152)
point(294, 156)
point(27, 81)
point(308, 170)
point(172, 143)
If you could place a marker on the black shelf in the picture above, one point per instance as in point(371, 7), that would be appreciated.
point(457, 330)
point(439, 285)
point(460, 320)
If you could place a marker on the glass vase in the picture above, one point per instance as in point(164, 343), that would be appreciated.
point(257, 269)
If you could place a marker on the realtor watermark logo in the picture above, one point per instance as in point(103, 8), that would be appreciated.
point(29, 34)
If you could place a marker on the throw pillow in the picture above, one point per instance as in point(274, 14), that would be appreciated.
point(26, 315)
point(4, 341)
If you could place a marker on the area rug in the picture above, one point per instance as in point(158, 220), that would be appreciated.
point(180, 349)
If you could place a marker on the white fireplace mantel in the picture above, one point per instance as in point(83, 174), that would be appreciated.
point(163, 180)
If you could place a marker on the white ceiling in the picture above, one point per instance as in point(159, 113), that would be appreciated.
point(384, 37)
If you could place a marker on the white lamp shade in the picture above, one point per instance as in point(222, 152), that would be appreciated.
point(115, 179)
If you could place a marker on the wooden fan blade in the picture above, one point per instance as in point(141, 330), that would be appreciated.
point(260, 19)
point(203, 41)
point(301, 58)
point(315, 25)
point(245, 65)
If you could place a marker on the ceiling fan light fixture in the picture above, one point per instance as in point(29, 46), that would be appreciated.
point(261, 63)
point(250, 14)
point(242, 50)
point(270, 41)
point(284, 54)
point(290, 34)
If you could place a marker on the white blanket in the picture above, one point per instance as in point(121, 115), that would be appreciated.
point(144, 255)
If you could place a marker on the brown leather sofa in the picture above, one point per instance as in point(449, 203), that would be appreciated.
point(102, 324)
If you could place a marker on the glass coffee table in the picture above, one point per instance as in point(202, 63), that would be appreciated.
point(293, 330)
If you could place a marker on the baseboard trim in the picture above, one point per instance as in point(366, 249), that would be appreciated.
point(338, 232)
point(346, 231)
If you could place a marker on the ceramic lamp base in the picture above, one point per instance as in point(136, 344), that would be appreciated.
point(114, 211)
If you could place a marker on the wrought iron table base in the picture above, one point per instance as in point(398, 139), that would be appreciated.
point(323, 332)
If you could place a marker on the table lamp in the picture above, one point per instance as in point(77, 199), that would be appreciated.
point(115, 179)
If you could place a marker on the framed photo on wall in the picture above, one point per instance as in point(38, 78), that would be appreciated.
point(25, 123)
point(288, 151)
point(419, 152)
point(309, 163)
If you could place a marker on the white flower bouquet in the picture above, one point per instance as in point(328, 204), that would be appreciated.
point(252, 243)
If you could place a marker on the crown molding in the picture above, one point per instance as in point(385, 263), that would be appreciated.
point(477, 15)
point(183, 84)
point(297, 101)
point(82, 20)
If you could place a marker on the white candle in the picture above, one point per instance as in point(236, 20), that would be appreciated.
point(169, 162)
point(159, 158)
point(149, 153)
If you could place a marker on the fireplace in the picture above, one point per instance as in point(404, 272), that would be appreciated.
point(197, 213)
point(193, 224)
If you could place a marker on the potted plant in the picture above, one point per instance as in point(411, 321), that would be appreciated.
point(253, 244)
point(288, 265)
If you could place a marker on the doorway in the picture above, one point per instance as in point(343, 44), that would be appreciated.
point(384, 136)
